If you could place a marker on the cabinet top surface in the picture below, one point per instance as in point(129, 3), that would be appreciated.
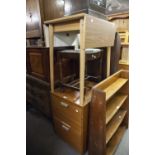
point(66, 18)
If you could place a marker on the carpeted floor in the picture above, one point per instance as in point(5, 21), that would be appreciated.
point(41, 139)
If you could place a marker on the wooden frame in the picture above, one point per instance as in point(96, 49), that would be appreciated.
point(94, 33)
point(109, 110)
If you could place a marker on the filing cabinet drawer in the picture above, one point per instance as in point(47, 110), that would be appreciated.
point(69, 134)
point(65, 110)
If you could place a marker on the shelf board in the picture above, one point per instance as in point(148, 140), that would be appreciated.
point(114, 142)
point(114, 87)
point(124, 62)
point(114, 124)
point(114, 105)
point(125, 44)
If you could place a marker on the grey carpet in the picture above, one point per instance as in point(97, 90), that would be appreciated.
point(42, 140)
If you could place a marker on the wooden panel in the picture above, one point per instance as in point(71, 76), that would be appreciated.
point(37, 62)
point(113, 144)
point(66, 110)
point(114, 125)
point(99, 33)
point(114, 105)
point(69, 134)
point(97, 128)
point(69, 26)
point(53, 9)
point(33, 19)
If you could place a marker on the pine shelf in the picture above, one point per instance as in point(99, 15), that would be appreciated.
point(114, 142)
point(114, 87)
point(114, 125)
point(114, 105)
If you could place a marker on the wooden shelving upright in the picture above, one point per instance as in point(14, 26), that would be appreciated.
point(109, 109)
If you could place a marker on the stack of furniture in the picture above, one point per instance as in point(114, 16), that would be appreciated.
point(69, 105)
point(124, 60)
point(121, 20)
point(109, 110)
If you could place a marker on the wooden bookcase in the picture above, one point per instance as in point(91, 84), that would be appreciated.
point(109, 110)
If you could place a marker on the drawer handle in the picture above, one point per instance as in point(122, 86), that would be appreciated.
point(65, 128)
point(65, 105)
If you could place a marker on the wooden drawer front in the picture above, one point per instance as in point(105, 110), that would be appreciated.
point(67, 111)
point(69, 134)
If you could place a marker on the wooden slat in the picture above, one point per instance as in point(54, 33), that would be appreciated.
point(114, 105)
point(51, 39)
point(82, 60)
point(114, 125)
point(113, 88)
point(113, 144)
point(108, 60)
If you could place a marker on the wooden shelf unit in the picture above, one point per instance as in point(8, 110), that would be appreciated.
point(94, 33)
point(109, 109)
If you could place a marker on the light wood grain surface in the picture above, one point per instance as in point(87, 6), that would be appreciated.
point(114, 87)
point(99, 33)
point(112, 146)
point(114, 124)
point(65, 19)
point(51, 42)
point(114, 105)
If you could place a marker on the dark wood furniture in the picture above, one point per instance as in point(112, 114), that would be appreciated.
point(109, 110)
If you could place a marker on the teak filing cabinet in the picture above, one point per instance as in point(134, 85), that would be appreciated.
point(69, 106)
